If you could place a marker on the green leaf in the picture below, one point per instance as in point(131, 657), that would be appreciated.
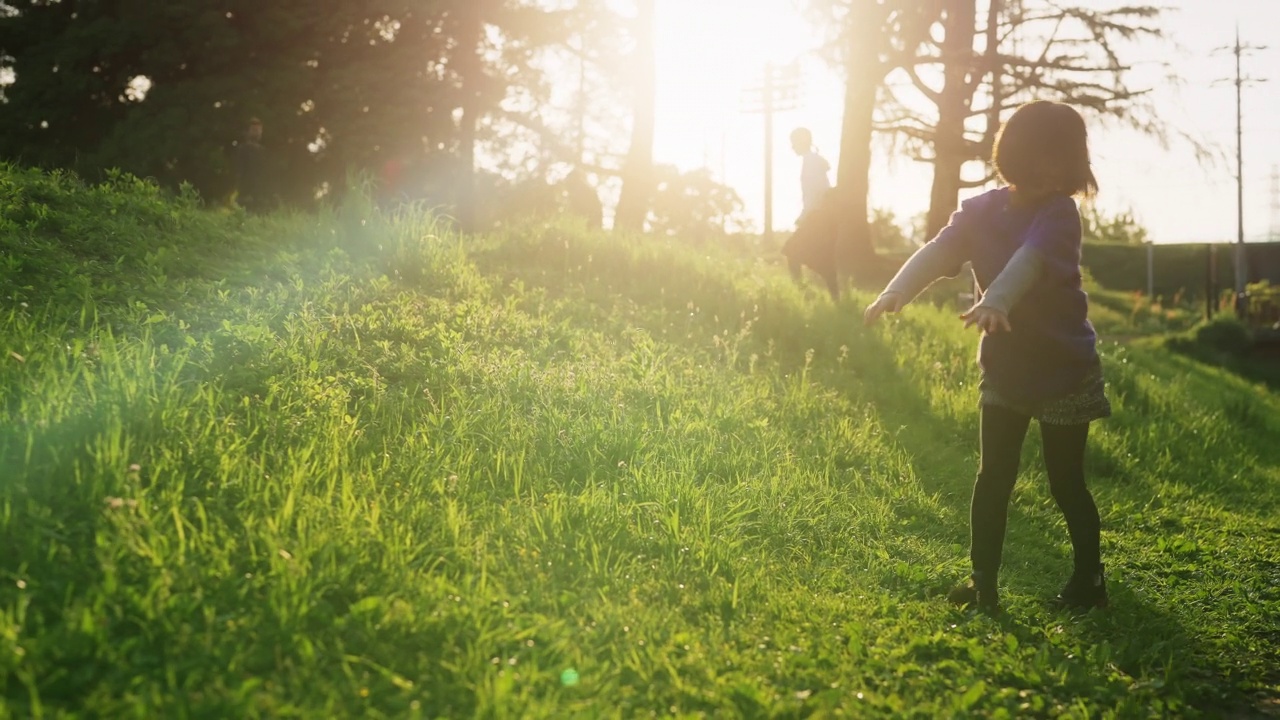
point(972, 695)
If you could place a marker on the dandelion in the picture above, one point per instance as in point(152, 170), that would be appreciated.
point(364, 692)
point(22, 584)
point(135, 468)
point(114, 503)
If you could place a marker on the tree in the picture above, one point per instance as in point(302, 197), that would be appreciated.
point(317, 73)
point(468, 64)
point(638, 172)
point(958, 21)
point(570, 132)
point(866, 40)
point(1121, 228)
point(339, 85)
point(502, 84)
point(1030, 49)
point(693, 206)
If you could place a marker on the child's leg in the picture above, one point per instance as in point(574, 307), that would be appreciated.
point(833, 284)
point(1003, 431)
point(1064, 461)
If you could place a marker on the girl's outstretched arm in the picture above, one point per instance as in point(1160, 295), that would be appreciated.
point(943, 256)
point(933, 261)
point(1020, 274)
point(929, 264)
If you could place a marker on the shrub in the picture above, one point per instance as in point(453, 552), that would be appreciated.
point(1222, 339)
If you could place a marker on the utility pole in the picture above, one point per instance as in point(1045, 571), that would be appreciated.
point(1274, 234)
point(1241, 260)
point(768, 151)
point(778, 92)
point(581, 119)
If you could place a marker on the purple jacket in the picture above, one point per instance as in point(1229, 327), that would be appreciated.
point(1053, 347)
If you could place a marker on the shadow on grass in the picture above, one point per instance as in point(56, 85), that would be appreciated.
point(1234, 418)
point(1139, 635)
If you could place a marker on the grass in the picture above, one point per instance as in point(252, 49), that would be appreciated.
point(353, 466)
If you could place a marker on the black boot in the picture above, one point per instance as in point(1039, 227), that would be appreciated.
point(1084, 591)
point(978, 592)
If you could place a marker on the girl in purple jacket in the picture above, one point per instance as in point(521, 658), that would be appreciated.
point(1038, 353)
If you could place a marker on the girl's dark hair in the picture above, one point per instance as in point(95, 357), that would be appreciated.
point(1043, 149)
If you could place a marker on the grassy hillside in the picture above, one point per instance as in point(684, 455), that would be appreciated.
point(351, 466)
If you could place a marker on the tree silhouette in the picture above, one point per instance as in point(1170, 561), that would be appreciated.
point(638, 171)
point(339, 85)
point(1024, 50)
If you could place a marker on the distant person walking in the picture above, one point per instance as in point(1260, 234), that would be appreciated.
point(251, 186)
point(1038, 352)
point(814, 170)
point(813, 244)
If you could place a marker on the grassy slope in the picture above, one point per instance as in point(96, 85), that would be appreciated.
point(345, 466)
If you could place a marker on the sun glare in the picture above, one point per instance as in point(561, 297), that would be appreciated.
point(709, 52)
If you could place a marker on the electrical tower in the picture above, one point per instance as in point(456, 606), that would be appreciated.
point(778, 91)
point(1241, 261)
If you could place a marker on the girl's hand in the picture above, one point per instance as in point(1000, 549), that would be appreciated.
point(886, 303)
point(988, 320)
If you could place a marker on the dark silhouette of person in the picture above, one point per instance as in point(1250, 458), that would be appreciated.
point(814, 183)
point(251, 186)
point(813, 244)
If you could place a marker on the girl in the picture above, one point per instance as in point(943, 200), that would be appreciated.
point(1038, 351)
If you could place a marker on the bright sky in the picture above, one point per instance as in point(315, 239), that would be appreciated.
point(708, 50)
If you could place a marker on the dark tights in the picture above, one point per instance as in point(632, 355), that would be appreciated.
point(1003, 431)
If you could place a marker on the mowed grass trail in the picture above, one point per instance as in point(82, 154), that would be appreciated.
point(350, 466)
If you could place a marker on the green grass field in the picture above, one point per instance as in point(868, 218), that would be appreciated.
point(350, 466)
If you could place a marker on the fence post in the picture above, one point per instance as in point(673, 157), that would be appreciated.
point(1210, 270)
point(1151, 269)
